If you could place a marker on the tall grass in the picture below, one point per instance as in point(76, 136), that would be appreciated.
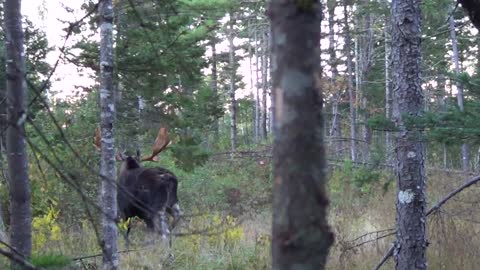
point(362, 202)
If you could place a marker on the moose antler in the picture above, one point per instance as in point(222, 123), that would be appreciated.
point(160, 144)
point(97, 139)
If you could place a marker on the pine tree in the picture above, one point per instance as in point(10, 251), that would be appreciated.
point(301, 237)
point(411, 244)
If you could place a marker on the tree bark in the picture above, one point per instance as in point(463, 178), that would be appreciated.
point(214, 81)
point(252, 87)
point(3, 151)
point(107, 165)
point(388, 90)
point(3, 122)
point(364, 56)
point(263, 114)
point(233, 102)
point(335, 131)
point(351, 89)
point(453, 37)
point(257, 90)
point(19, 183)
point(411, 244)
point(301, 237)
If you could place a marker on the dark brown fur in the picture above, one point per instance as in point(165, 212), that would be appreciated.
point(147, 193)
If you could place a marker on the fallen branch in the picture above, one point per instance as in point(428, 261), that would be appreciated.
point(372, 240)
point(18, 259)
point(100, 254)
point(433, 209)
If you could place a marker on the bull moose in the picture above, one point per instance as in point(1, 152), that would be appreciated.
point(147, 193)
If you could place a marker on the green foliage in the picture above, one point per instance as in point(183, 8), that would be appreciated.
point(364, 180)
point(453, 127)
point(380, 122)
point(50, 261)
point(77, 122)
point(207, 186)
point(46, 229)
point(471, 84)
point(188, 153)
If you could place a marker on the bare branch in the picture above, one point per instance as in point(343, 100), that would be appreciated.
point(13, 256)
point(433, 209)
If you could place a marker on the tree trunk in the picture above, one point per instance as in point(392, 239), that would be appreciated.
point(19, 183)
point(250, 69)
point(257, 90)
point(335, 131)
point(453, 36)
point(271, 118)
point(3, 121)
point(233, 103)
point(411, 244)
point(388, 91)
point(351, 90)
point(3, 151)
point(214, 82)
point(107, 165)
point(263, 114)
point(364, 56)
point(301, 237)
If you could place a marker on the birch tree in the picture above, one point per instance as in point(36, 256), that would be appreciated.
point(107, 116)
point(213, 43)
point(233, 102)
point(3, 146)
point(411, 244)
point(388, 89)
point(335, 131)
point(301, 237)
point(257, 89)
point(456, 62)
point(351, 89)
point(264, 60)
point(19, 184)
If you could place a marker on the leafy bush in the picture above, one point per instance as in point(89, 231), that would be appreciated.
point(50, 261)
point(46, 229)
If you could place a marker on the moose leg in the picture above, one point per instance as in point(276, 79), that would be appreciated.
point(161, 225)
point(163, 230)
point(176, 212)
point(150, 222)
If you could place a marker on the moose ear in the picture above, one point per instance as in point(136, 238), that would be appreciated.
point(119, 157)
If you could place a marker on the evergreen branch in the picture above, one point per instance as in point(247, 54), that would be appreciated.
point(70, 30)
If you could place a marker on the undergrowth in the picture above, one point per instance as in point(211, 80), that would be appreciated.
point(228, 222)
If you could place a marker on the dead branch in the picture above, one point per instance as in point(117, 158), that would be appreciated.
point(386, 233)
point(433, 209)
point(18, 259)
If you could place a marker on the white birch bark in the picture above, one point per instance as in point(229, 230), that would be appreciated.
point(107, 166)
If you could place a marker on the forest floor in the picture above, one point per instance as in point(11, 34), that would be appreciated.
point(228, 222)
